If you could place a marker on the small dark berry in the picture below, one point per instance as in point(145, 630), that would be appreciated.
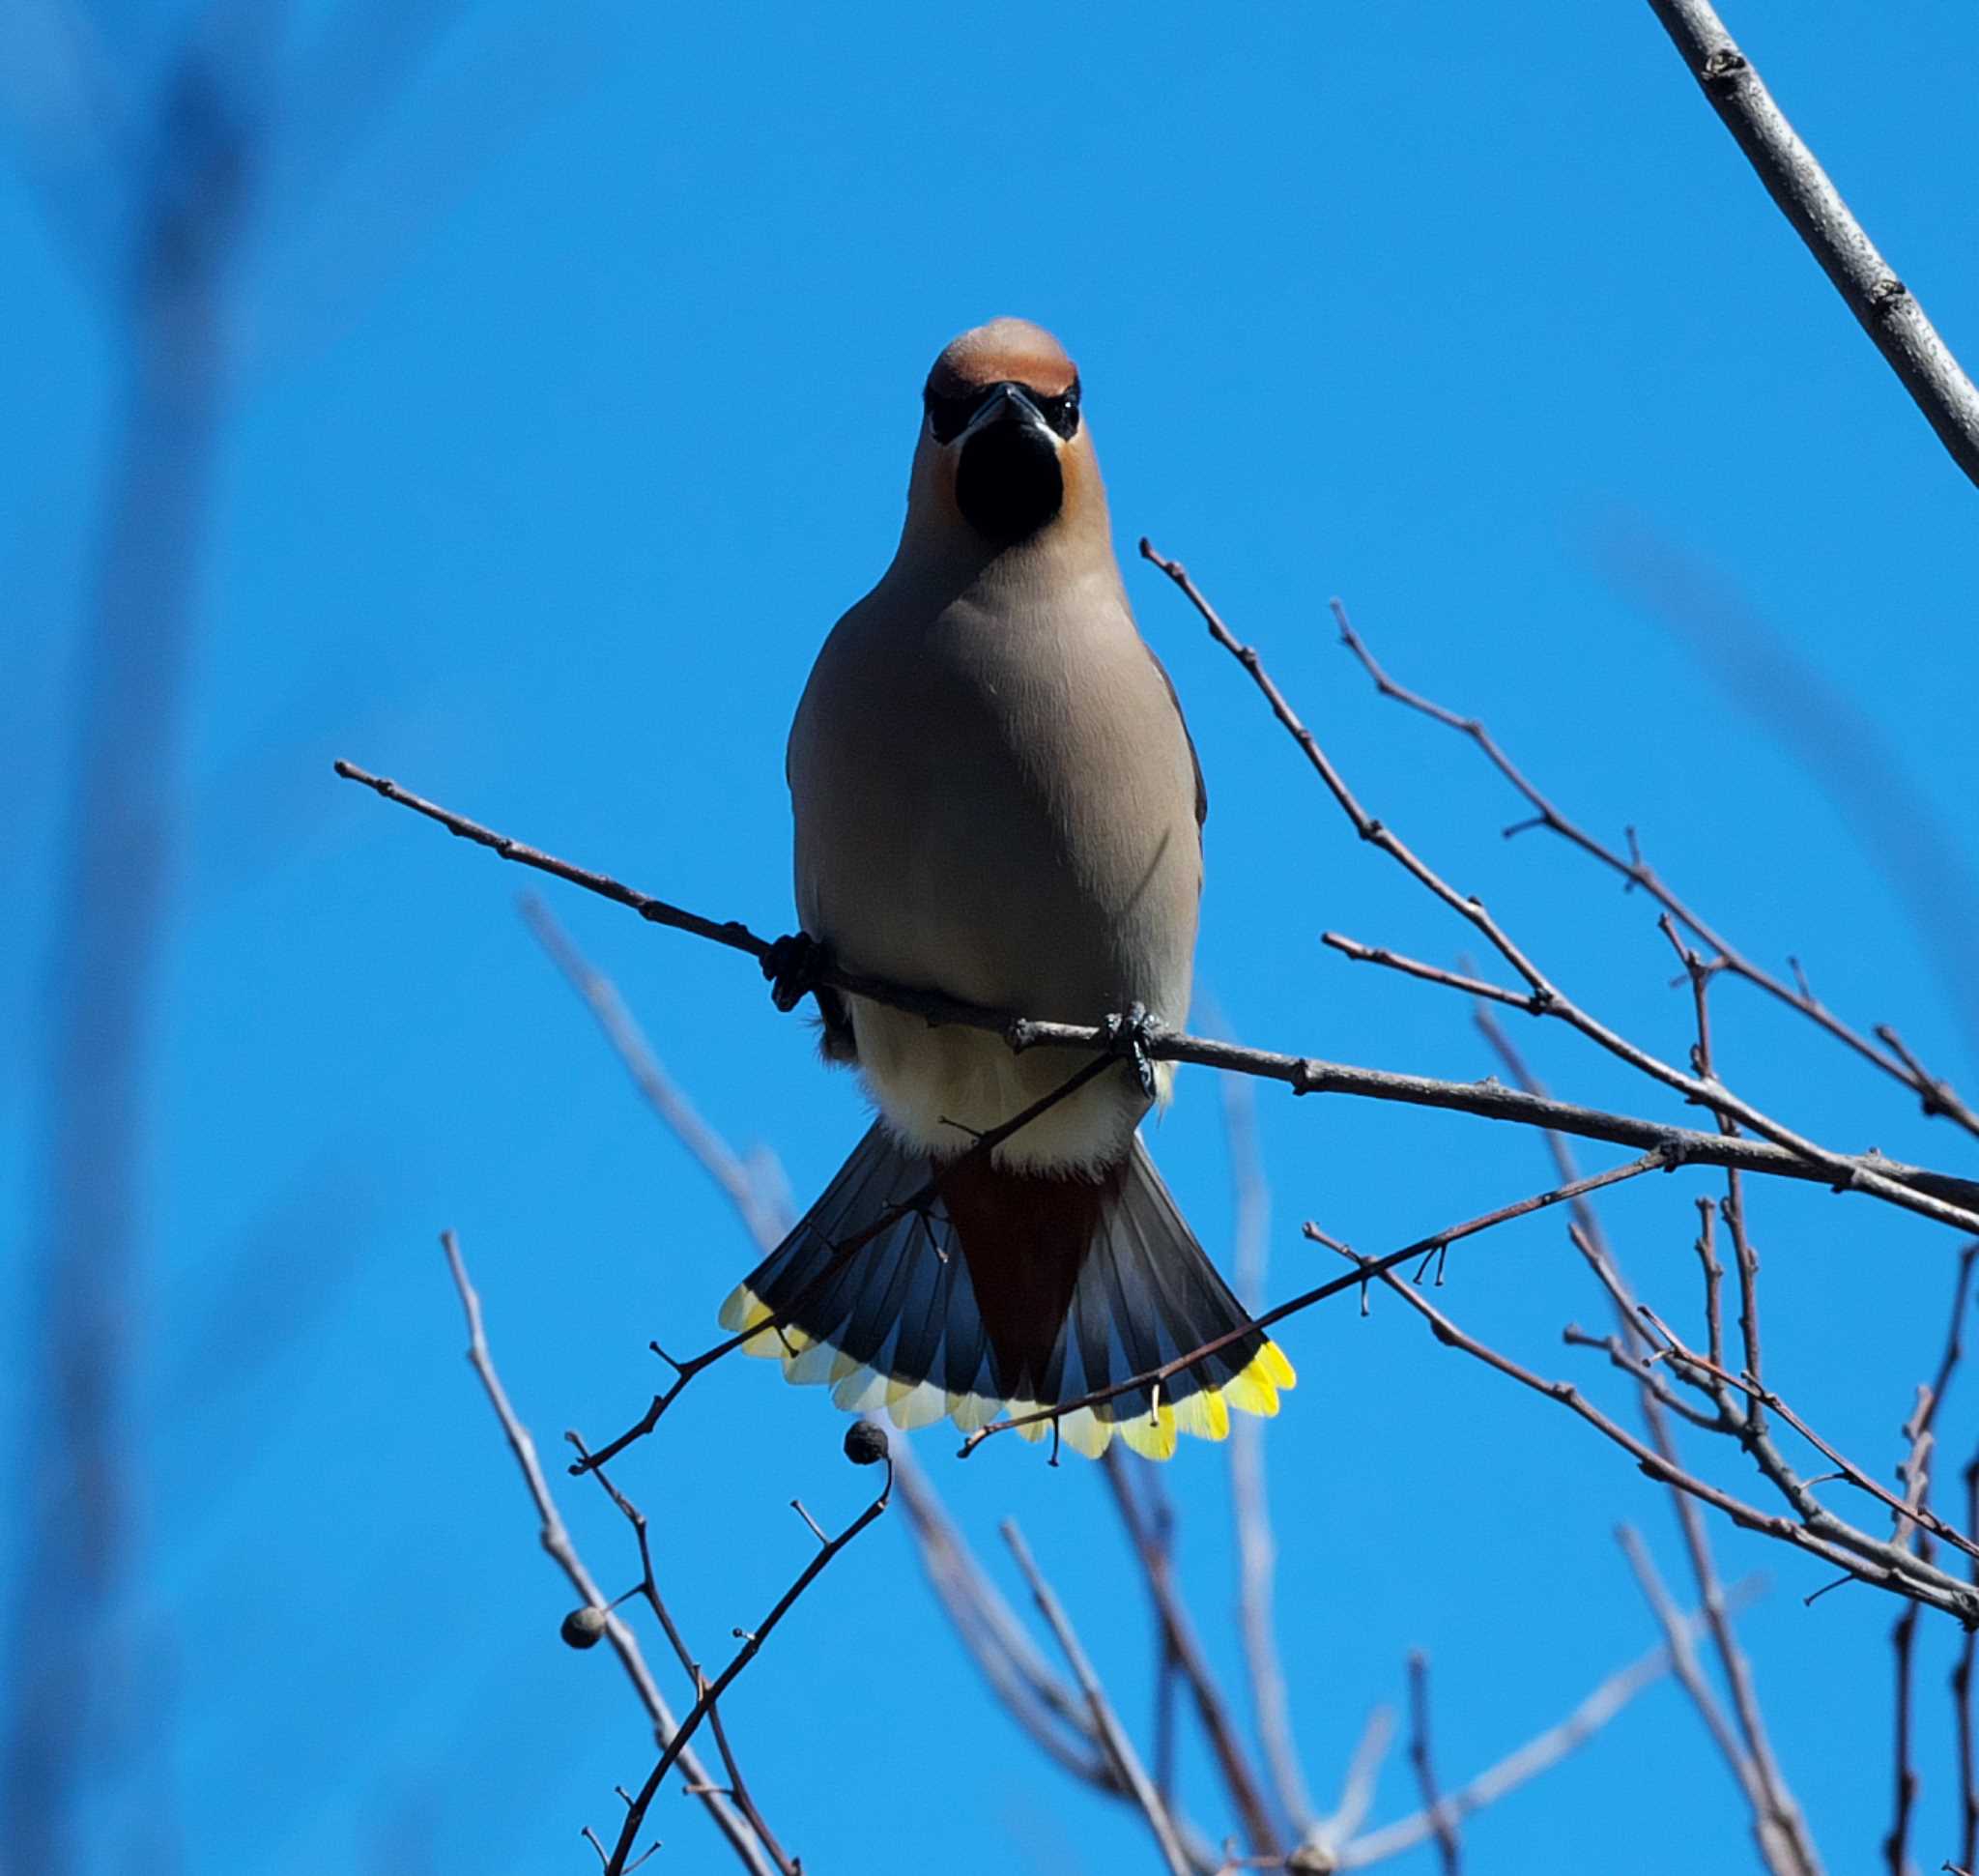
point(865, 1443)
point(583, 1627)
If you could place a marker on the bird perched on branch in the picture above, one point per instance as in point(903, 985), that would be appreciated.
point(996, 800)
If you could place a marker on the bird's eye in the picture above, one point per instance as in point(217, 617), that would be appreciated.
point(1062, 412)
point(948, 417)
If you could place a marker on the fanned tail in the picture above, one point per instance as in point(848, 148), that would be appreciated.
point(1007, 1293)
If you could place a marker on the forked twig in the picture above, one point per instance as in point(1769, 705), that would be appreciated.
point(556, 1540)
point(1944, 1197)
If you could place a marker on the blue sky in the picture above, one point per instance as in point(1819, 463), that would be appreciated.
point(574, 403)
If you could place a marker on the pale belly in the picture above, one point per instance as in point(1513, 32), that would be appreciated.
point(1017, 836)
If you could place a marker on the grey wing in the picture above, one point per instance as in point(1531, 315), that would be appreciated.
point(1202, 794)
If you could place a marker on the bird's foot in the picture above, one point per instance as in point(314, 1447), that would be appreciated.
point(1132, 1033)
point(795, 965)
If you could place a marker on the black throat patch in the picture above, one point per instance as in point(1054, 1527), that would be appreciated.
point(1008, 484)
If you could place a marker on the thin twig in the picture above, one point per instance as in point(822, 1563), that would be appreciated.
point(1537, 1754)
point(1954, 1335)
point(712, 1691)
point(1962, 1698)
point(1547, 998)
point(1637, 1365)
point(1835, 1543)
point(1249, 1504)
point(1903, 1511)
point(1915, 1472)
point(1105, 1721)
point(1449, 1856)
point(648, 1587)
point(1434, 1245)
point(763, 1212)
point(1744, 1257)
point(1940, 1196)
point(1886, 310)
point(1690, 1676)
point(1183, 1648)
point(1893, 1060)
point(1040, 1703)
point(556, 1540)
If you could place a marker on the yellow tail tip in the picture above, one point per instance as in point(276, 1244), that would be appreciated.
point(911, 1403)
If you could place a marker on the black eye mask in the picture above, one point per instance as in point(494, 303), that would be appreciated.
point(949, 417)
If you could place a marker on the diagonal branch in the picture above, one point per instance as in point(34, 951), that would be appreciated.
point(1545, 997)
point(752, 1640)
point(1690, 1674)
point(1777, 1822)
point(1105, 1721)
point(1434, 1246)
point(557, 1542)
point(1183, 1647)
point(648, 1587)
point(1894, 1058)
point(761, 1210)
point(1887, 311)
point(1939, 1195)
point(1537, 1754)
point(917, 1201)
point(1049, 1711)
point(1825, 1535)
point(1249, 1505)
point(1442, 1822)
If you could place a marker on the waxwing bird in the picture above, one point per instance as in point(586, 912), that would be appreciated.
point(996, 798)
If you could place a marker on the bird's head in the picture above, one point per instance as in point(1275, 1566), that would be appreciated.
point(1004, 452)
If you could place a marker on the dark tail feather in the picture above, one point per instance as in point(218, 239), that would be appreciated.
point(1008, 1292)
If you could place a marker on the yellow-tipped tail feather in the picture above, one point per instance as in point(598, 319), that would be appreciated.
point(911, 1401)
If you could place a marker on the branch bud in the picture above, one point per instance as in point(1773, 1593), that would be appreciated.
point(865, 1443)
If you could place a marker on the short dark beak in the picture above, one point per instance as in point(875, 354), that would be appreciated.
point(1005, 403)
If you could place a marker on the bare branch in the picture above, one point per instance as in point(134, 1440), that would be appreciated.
point(648, 1587)
point(1834, 1541)
point(1906, 1511)
point(1448, 1858)
point(1249, 1506)
point(1105, 1721)
point(1940, 1196)
point(1690, 1674)
point(763, 1215)
point(1431, 973)
point(1539, 1754)
point(556, 1540)
point(1330, 1834)
point(1184, 1651)
point(917, 1201)
point(1049, 1711)
point(1432, 1246)
point(1893, 1058)
point(712, 1691)
point(1774, 1809)
point(1962, 1698)
point(1042, 1704)
point(1547, 998)
point(1886, 310)
point(1914, 1473)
